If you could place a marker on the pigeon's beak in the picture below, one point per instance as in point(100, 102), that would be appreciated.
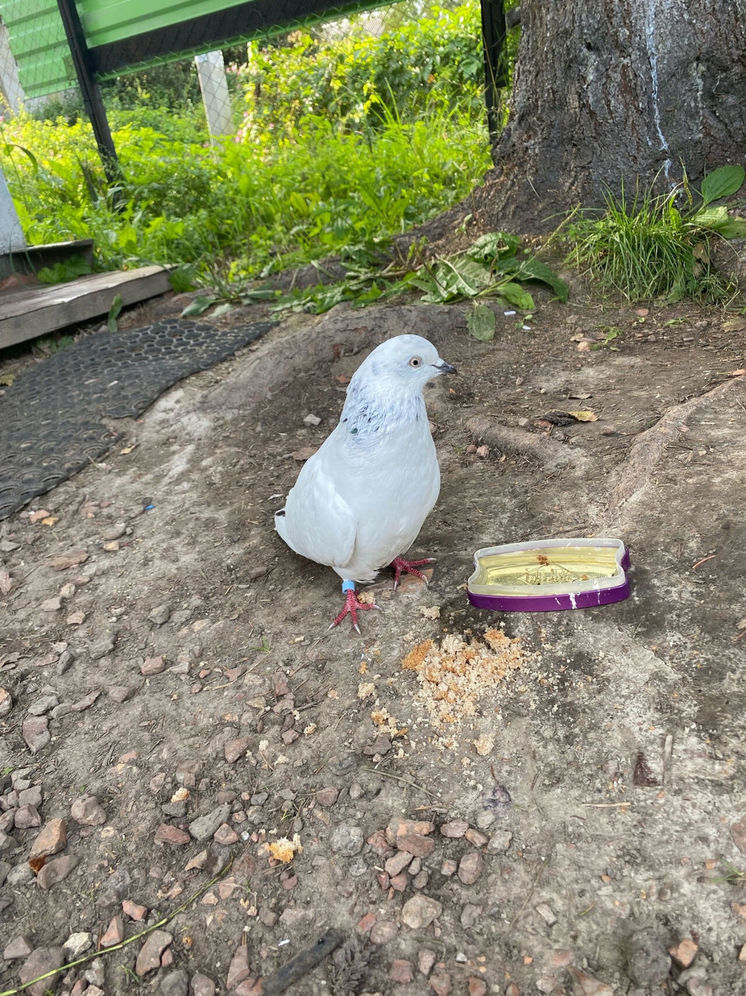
point(445, 368)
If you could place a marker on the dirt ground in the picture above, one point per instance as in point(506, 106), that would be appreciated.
point(187, 748)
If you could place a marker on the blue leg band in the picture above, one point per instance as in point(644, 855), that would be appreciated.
point(348, 586)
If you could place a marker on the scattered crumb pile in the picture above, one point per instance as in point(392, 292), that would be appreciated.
point(456, 675)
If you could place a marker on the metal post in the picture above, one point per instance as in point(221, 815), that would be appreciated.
point(493, 40)
point(92, 101)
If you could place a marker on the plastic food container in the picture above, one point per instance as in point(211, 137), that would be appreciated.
point(547, 575)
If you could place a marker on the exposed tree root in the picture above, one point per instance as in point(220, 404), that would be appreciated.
point(541, 448)
point(633, 476)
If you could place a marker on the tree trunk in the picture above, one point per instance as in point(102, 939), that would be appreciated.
point(607, 92)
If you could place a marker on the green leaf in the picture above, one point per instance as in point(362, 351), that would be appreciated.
point(494, 245)
point(515, 294)
point(114, 310)
point(481, 322)
point(718, 220)
point(534, 269)
point(722, 182)
point(198, 306)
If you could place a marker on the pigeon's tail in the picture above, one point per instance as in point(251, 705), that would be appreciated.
point(281, 526)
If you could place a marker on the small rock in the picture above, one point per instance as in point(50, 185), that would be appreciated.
point(397, 863)
point(43, 704)
point(95, 973)
point(50, 840)
point(311, 419)
point(202, 986)
point(455, 828)
point(475, 837)
point(65, 661)
point(76, 618)
point(683, 953)
point(76, 944)
point(31, 796)
point(73, 558)
point(36, 733)
point(399, 827)
point(738, 833)
point(225, 835)
point(114, 933)
point(416, 843)
point(485, 818)
point(168, 834)
point(86, 702)
point(204, 827)
point(235, 748)
point(327, 796)
point(120, 693)
point(419, 911)
point(699, 987)
point(175, 983)
point(27, 816)
point(470, 867)
point(425, 960)
point(448, 867)
point(399, 883)
point(18, 947)
point(6, 701)
point(102, 646)
point(56, 870)
point(53, 604)
point(20, 875)
point(421, 879)
point(160, 614)
point(440, 982)
point(347, 839)
point(383, 931)
point(133, 910)
point(88, 811)
point(153, 665)
point(238, 970)
point(476, 986)
point(149, 957)
point(39, 962)
point(547, 914)
point(499, 842)
point(401, 971)
point(741, 954)
point(589, 986)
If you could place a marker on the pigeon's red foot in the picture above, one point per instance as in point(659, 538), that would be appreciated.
point(402, 566)
point(351, 607)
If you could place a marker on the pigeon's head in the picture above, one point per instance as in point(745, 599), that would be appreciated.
point(402, 364)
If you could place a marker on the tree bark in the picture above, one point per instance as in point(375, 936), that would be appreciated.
point(607, 92)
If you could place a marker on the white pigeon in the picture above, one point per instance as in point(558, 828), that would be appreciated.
point(360, 500)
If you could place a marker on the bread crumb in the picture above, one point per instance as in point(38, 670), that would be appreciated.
point(284, 850)
point(456, 676)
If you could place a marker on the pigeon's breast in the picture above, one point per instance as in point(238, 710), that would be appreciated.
point(392, 484)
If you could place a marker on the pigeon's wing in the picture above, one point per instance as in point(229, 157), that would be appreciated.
point(318, 523)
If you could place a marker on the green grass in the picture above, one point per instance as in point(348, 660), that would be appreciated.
point(658, 245)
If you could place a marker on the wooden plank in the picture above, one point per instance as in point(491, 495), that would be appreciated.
point(31, 312)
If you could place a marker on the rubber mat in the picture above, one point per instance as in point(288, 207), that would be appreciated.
point(50, 417)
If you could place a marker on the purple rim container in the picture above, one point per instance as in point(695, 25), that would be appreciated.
point(559, 591)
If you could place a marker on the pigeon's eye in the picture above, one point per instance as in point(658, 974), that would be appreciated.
point(415, 361)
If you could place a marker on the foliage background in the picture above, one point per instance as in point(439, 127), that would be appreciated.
point(340, 143)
